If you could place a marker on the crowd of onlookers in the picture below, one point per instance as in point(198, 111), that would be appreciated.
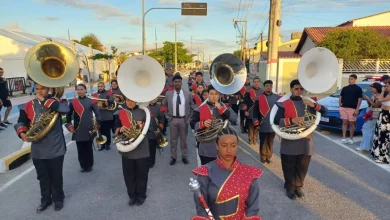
point(5, 101)
point(375, 131)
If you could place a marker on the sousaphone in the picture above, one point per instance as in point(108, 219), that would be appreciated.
point(141, 79)
point(317, 72)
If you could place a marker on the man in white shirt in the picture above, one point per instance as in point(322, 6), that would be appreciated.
point(178, 103)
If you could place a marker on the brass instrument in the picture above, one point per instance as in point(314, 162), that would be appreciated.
point(100, 102)
point(100, 139)
point(52, 65)
point(161, 140)
point(317, 72)
point(227, 75)
point(129, 134)
point(160, 98)
point(117, 99)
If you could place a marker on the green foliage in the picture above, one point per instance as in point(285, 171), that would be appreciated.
point(114, 50)
point(167, 54)
point(357, 44)
point(121, 57)
point(100, 56)
point(237, 53)
point(93, 40)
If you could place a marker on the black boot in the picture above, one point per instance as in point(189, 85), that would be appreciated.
point(299, 193)
point(132, 201)
point(291, 194)
point(43, 206)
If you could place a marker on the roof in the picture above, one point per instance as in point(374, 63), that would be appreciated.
point(350, 21)
point(317, 34)
point(283, 54)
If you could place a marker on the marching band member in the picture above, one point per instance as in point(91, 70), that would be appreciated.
point(106, 117)
point(156, 116)
point(115, 90)
point(83, 125)
point(261, 121)
point(198, 99)
point(242, 106)
point(48, 153)
point(295, 154)
point(135, 164)
point(229, 188)
point(202, 118)
point(199, 81)
point(178, 103)
point(250, 100)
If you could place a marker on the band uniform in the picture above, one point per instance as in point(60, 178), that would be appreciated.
point(231, 193)
point(82, 109)
point(156, 122)
point(242, 106)
point(135, 164)
point(261, 121)
point(295, 154)
point(106, 116)
point(48, 153)
point(250, 100)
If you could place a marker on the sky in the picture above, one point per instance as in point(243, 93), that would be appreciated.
point(118, 22)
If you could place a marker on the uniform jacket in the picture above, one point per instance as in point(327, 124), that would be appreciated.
point(230, 193)
point(189, 102)
point(81, 109)
point(122, 119)
point(196, 83)
point(53, 144)
point(289, 109)
point(244, 91)
point(204, 112)
point(155, 113)
point(262, 110)
point(106, 115)
point(250, 98)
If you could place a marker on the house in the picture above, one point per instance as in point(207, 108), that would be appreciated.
point(380, 19)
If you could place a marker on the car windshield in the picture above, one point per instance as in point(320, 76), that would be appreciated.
point(365, 88)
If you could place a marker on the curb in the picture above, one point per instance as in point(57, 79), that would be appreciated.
point(6, 161)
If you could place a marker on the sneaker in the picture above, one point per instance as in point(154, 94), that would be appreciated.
point(7, 123)
point(349, 141)
point(343, 141)
point(2, 125)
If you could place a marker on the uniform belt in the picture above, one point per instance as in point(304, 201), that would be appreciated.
point(178, 117)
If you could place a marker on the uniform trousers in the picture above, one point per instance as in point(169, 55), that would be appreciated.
point(205, 160)
point(135, 173)
point(49, 174)
point(178, 128)
point(85, 153)
point(235, 108)
point(266, 145)
point(152, 151)
point(243, 124)
point(294, 170)
point(105, 129)
point(252, 133)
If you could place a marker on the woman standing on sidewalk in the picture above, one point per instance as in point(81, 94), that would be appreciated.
point(4, 100)
point(380, 149)
point(371, 118)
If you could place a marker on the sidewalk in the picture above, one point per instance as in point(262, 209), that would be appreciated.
point(10, 143)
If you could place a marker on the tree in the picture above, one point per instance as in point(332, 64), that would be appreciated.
point(167, 54)
point(357, 44)
point(237, 53)
point(92, 39)
point(108, 58)
point(121, 58)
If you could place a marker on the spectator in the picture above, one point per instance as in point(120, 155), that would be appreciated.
point(4, 100)
point(370, 118)
point(349, 105)
point(32, 85)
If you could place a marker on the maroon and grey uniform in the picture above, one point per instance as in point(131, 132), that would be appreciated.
point(48, 153)
point(135, 164)
point(261, 118)
point(82, 109)
point(250, 99)
point(295, 154)
point(155, 113)
point(106, 116)
point(230, 193)
point(207, 150)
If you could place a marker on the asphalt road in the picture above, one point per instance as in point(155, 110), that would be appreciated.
point(340, 185)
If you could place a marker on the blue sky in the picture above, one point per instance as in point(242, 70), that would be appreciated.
point(118, 22)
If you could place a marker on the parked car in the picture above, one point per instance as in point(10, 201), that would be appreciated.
point(332, 119)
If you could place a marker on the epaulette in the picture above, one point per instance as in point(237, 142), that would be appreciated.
point(202, 170)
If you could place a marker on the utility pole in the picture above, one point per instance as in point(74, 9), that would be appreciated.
point(273, 40)
point(155, 36)
point(243, 40)
point(175, 51)
point(143, 28)
point(209, 58)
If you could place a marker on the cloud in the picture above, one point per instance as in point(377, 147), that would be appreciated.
point(50, 19)
point(14, 27)
point(102, 12)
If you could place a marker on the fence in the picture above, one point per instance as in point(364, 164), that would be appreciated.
point(16, 84)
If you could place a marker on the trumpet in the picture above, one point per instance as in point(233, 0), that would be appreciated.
point(100, 102)
point(118, 99)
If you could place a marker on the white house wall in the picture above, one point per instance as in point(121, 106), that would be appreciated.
point(309, 44)
point(376, 20)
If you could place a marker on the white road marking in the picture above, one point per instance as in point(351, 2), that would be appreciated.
point(16, 178)
point(383, 166)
